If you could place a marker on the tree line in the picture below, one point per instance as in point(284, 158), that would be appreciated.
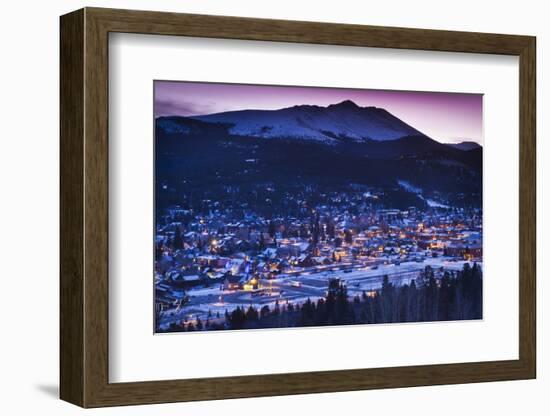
point(454, 295)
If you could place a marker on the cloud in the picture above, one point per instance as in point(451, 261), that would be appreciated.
point(172, 107)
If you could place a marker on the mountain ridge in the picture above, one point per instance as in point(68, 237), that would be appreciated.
point(213, 157)
point(342, 121)
point(465, 145)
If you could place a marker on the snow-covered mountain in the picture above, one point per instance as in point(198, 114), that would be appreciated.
point(331, 124)
point(335, 145)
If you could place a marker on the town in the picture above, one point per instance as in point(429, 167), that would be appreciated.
point(213, 258)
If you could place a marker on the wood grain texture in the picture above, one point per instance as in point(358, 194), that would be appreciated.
point(527, 208)
point(72, 367)
point(84, 207)
point(96, 208)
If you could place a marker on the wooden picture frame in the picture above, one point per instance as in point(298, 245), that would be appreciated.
point(84, 207)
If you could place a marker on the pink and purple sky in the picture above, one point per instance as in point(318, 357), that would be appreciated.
point(445, 117)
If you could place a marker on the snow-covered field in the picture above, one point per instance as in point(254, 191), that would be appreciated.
point(297, 289)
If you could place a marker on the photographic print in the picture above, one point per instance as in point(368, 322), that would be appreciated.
point(289, 206)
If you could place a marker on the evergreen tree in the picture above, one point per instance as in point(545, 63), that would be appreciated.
point(271, 229)
point(276, 309)
point(264, 311)
point(348, 236)
point(387, 301)
point(331, 231)
point(178, 241)
point(251, 314)
point(342, 306)
point(363, 319)
point(237, 318)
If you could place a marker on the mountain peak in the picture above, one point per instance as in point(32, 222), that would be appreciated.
point(344, 104)
point(332, 124)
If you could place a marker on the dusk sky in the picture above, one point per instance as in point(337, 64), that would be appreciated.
point(445, 117)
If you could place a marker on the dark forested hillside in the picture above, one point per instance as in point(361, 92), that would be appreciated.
point(193, 156)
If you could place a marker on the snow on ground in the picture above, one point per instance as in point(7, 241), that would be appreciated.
point(409, 187)
point(435, 204)
point(298, 288)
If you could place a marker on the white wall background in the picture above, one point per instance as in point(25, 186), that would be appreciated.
point(29, 158)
